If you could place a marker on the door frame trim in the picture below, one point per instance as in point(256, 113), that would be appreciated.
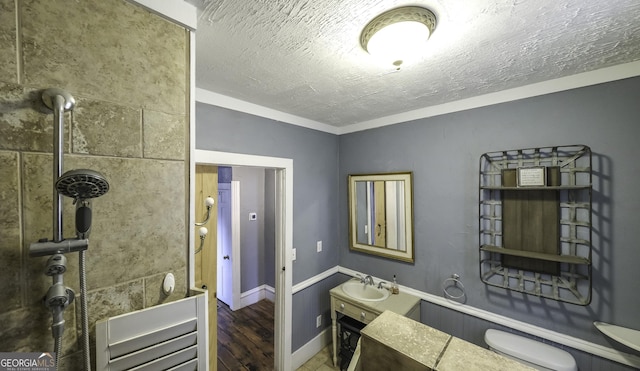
point(284, 239)
point(235, 245)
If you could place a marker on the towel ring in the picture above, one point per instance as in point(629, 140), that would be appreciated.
point(455, 279)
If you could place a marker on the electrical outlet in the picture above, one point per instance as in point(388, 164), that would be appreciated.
point(319, 321)
point(319, 246)
point(293, 254)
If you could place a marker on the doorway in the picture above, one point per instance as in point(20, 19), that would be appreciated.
point(246, 235)
point(283, 240)
point(228, 247)
point(204, 250)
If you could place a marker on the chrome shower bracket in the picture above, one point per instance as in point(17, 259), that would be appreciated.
point(51, 95)
point(45, 247)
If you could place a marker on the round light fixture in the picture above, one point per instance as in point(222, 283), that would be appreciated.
point(398, 34)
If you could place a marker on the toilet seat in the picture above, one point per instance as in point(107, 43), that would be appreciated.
point(531, 351)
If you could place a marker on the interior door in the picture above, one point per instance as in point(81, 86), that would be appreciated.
point(380, 227)
point(205, 259)
point(225, 255)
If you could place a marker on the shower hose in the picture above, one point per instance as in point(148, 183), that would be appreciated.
point(84, 314)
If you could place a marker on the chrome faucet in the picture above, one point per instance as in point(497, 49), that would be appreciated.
point(381, 285)
point(368, 280)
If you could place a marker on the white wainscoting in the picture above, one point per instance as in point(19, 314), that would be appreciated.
point(556, 337)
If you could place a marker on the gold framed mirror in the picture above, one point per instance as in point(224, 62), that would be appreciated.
point(381, 215)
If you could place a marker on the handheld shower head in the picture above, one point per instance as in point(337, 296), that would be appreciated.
point(82, 184)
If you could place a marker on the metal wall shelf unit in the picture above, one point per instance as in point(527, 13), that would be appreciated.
point(535, 221)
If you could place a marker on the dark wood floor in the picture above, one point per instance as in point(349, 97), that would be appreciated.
point(245, 337)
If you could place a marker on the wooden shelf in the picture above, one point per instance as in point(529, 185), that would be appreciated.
point(535, 255)
point(535, 225)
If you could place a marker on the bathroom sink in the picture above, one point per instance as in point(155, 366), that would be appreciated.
point(360, 291)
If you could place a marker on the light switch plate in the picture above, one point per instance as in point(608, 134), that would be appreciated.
point(319, 246)
point(253, 216)
point(319, 321)
point(293, 254)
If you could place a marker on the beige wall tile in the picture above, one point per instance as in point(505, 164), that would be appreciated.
point(105, 128)
point(112, 301)
point(26, 124)
point(116, 59)
point(8, 69)
point(19, 327)
point(164, 135)
point(154, 294)
point(109, 50)
point(10, 249)
point(136, 231)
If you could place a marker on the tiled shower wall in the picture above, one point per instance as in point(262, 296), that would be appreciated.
point(128, 71)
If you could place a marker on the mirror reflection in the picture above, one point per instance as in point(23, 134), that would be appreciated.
point(381, 215)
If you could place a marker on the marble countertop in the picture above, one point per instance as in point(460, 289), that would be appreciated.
point(433, 349)
point(420, 343)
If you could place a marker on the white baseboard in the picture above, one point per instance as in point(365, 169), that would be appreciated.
point(270, 293)
point(307, 351)
point(255, 295)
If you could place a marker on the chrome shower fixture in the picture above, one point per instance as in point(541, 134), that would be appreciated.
point(57, 264)
point(55, 98)
point(58, 296)
point(59, 101)
point(45, 247)
point(82, 185)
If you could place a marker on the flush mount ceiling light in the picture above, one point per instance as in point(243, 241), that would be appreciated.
point(398, 34)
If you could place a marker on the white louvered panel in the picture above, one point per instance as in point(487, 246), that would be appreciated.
point(190, 365)
point(153, 319)
point(172, 336)
point(148, 354)
point(149, 339)
point(170, 360)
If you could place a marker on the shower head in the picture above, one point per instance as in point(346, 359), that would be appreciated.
point(82, 184)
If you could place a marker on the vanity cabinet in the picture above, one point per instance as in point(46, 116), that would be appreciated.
point(366, 311)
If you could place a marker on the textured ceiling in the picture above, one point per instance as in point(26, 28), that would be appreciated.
point(302, 57)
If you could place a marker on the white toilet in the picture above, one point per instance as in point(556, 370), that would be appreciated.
point(529, 352)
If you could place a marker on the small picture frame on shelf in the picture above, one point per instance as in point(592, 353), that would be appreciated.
point(532, 176)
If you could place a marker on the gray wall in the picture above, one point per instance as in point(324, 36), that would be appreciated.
point(443, 152)
point(251, 231)
point(257, 237)
point(315, 200)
